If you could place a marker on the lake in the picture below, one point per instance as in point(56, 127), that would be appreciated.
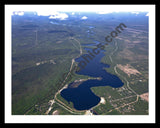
point(82, 97)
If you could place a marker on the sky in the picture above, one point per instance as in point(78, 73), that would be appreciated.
point(50, 9)
point(54, 10)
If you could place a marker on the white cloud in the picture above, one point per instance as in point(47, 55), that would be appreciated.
point(135, 12)
point(84, 18)
point(51, 17)
point(46, 12)
point(61, 16)
point(104, 12)
point(147, 14)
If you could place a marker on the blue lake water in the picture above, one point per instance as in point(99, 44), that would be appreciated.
point(82, 97)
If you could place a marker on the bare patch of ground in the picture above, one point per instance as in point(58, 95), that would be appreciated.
point(102, 100)
point(43, 62)
point(137, 42)
point(88, 112)
point(60, 41)
point(145, 96)
point(128, 69)
point(56, 112)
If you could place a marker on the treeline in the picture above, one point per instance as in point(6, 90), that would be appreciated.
point(46, 53)
point(35, 85)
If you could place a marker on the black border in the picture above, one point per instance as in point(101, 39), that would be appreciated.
point(156, 124)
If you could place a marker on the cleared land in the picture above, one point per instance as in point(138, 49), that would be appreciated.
point(145, 96)
point(128, 69)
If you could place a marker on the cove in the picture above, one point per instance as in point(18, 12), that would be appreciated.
point(82, 97)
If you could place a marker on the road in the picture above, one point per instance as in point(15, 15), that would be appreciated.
point(127, 83)
point(71, 110)
point(128, 103)
point(60, 103)
point(111, 54)
point(115, 70)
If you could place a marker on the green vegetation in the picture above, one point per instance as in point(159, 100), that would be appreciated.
point(42, 55)
point(123, 100)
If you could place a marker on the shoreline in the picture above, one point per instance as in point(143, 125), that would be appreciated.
point(76, 83)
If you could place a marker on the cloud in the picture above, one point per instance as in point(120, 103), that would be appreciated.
point(84, 18)
point(46, 12)
point(51, 17)
point(135, 12)
point(147, 14)
point(53, 14)
point(61, 16)
point(104, 12)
